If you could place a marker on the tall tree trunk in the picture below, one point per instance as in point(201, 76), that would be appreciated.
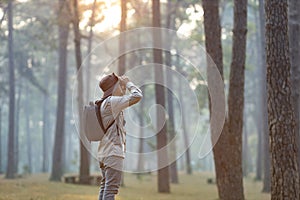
point(171, 123)
point(161, 138)
point(259, 156)
point(140, 165)
point(171, 128)
point(264, 105)
point(122, 47)
point(27, 124)
point(67, 159)
point(258, 99)
point(141, 161)
point(236, 104)
point(213, 44)
point(11, 127)
point(231, 178)
point(70, 147)
point(90, 44)
point(294, 37)
point(212, 28)
point(184, 130)
point(229, 169)
point(84, 171)
point(45, 126)
point(281, 119)
point(122, 43)
point(245, 154)
point(63, 30)
point(17, 125)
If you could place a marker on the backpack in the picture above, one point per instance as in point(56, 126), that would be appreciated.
point(92, 122)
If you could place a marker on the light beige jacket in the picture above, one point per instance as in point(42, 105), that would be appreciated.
point(113, 142)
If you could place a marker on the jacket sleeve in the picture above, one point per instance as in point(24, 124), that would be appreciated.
point(119, 103)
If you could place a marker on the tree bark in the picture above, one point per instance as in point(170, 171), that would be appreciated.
point(122, 43)
point(229, 168)
point(84, 171)
point(11, 129)
point(294, 32)
point(281, 118)
point(161, 139)
point(63, 30)
point(236, 103)
point(213, 44)
point(212, 28)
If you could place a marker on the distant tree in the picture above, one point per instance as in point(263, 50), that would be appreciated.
point(263, 103)
point(170, 24)
point(90, 44)
point(122, 48)
point(11, 127)
point(28, 113)
point(122, 40)
point(140, 162)
point(84, 169)
point(229, 168)
point(258, 100)
point(281, 118)
point(63, 20)
point(245, 151)
point(17, 123)
point(184, 119)
point(161, 138)
point(46, 126)
point(185, 131)
point(294, 37)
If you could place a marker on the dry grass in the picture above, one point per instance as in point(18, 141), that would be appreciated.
point(37, 187)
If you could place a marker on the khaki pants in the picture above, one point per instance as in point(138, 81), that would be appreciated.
point(111, 177)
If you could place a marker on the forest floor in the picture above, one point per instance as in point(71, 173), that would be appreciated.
point(37, 187)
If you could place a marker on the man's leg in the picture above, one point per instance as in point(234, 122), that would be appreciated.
point(102, 186)
point(112, 183)
point(113, 176)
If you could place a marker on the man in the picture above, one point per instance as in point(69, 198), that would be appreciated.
point(111, 150)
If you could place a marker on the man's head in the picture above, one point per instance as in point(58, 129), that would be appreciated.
point(111, 85)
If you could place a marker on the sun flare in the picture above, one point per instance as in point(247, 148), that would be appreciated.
point(112, 18)
point(111, 13)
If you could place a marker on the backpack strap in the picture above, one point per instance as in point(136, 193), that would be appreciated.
point(99, 117)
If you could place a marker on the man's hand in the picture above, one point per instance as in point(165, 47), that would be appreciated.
point(124, 80)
